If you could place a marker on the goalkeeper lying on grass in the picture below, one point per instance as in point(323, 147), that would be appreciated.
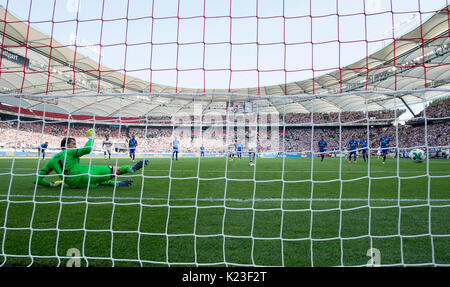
point(78, 175)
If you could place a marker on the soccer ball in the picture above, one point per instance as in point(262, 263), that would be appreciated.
point(417, 155)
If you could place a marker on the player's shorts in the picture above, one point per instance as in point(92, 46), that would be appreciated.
point(93, 175)
point(385, 151)
point(352, 152)
point(107, 149)
point(322, 150)
point(364, 151)
point(251, 148)
point(132, 150)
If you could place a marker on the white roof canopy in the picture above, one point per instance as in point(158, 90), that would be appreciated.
point(420, 56)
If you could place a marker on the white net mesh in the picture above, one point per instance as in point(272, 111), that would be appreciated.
point(294, 204)
point(277, 133)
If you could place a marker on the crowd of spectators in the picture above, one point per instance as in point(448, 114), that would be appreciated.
point(435, 111)
point(436, 135)
point(292, 139)
point(383, 116)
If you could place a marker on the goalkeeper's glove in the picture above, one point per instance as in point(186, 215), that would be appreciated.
point(90, 133)
point(56, 183)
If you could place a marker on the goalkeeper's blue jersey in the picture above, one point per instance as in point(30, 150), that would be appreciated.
point(353, 144)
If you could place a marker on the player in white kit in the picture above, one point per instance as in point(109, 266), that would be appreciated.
point(107, 145)
point(231, 150)
point(251, 135)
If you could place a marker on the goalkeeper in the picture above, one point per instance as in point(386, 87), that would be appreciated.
point(67, 164)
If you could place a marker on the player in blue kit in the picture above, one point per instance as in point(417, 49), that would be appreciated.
point(132, 144)
point(353, 146)
point(385, 142)
point(239, 149)
point(41, 149)
point(175, 145)
point(202, 151)
point(322, 147)
point(363, 147)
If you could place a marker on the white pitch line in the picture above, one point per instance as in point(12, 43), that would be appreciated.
point(221, 199)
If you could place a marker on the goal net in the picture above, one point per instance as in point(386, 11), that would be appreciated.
point(236, 133)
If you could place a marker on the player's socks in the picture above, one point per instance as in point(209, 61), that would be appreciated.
point(126, 182)
point(137, 166)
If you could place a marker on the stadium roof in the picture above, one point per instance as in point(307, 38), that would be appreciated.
point(420, 56)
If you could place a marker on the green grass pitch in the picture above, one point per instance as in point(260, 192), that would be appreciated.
point(214, 212)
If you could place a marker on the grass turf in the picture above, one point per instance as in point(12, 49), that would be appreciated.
point(281, 212)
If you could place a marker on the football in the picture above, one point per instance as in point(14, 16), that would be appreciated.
point(417, 155)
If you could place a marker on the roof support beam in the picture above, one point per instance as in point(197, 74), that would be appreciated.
point(406, 105)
